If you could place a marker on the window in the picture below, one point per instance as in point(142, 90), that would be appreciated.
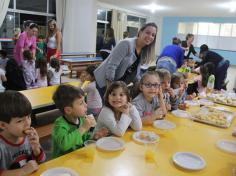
point(52, 6)
point(214, 29)
point(234, 30)
point(32, 5)
point(203, 28)
point(11, 5)
point(216, 35)
point(225, 30)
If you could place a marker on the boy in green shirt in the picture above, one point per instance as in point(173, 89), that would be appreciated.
point(73, 128)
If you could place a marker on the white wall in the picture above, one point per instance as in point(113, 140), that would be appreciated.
point(231, 77)
point(80, 26)
point(158, 21)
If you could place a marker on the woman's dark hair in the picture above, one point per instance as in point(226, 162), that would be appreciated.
point(13, 104)
point(54, 63)
point(111, 88)
point(176, 41)
point(42, 65)
point(3, 53)
point(65, 95)
point(27, 23)
point(203, 48)
point(90, 69)
point(27, 54)
point(33, 25)
point(206, 70)
point(148, 52)
point(189, 36)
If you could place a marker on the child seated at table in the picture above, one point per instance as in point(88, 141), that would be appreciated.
point(72, 129)
point(20, 151)
point(149, 102)
point(28, 67)
point(118, 113)
point(93, 98)
point(3, 59)
point(169, 96)
point(41, 73)
point(54, 72)
point(179, 86)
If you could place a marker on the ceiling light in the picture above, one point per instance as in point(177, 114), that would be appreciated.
point(153, 7)
point(229, 5)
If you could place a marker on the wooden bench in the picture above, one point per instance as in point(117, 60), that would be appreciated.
point(44, 131)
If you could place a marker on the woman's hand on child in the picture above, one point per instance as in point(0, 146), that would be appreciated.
point(30, 167)
point(101, 133)
point(34, 140)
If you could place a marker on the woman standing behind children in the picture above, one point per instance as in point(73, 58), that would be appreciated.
point(41, 73)
point(94, 100)
point(54, 72)
point(28, 67)
point(118, 114)
point(170, 98)
point(149, 102)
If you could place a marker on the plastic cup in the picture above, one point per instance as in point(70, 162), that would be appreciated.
point(90, 146)
point(150, 151)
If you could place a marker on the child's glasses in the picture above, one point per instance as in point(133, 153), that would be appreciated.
point(149, 85)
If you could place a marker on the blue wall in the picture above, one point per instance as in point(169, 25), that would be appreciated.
point(170, 28)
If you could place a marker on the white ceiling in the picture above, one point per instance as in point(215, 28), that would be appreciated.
point(207, 8)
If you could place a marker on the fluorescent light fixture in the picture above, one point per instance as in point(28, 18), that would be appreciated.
point(228, 5)
point(153, 7)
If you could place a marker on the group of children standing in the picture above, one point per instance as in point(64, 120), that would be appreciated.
point(31, 74)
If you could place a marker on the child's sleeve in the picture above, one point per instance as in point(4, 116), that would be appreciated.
point(139, 107)
point(66, 139)
point(41, 157)
point(117, 128)
point(136, 123)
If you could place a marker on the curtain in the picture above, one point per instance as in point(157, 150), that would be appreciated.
point(119, 22)
point(60, 13)
point(3, 10)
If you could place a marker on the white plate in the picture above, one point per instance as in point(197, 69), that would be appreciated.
point(192, 102)
point(145, 137)
point(181, 113)
point(59, 171)
point(110, 144)
point(206, 102)
point(163, 124)
point(188, 160)
point(227, 146)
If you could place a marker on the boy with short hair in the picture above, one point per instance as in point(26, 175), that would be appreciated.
point(169, 96)
point(73, 128)
point(20, 151)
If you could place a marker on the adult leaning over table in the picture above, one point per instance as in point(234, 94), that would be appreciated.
point(54, 40)
point(26, 41)
point(125, 59)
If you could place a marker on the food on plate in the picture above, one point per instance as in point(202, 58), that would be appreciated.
point(213, 116)
point(223, 98)
point(183, 106)
point(147, 137)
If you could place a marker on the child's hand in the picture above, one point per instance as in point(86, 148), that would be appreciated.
point(171, 92)
point(89, 122)
point(160, 93)
point(101, 133)
point(34, 140)
point(30, 167)
point(125, 108)
point(168, 107)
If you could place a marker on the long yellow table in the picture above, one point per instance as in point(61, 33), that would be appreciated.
point(188, 136)
point(42, 97)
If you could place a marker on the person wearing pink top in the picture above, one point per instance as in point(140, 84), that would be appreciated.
point(26, 41)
